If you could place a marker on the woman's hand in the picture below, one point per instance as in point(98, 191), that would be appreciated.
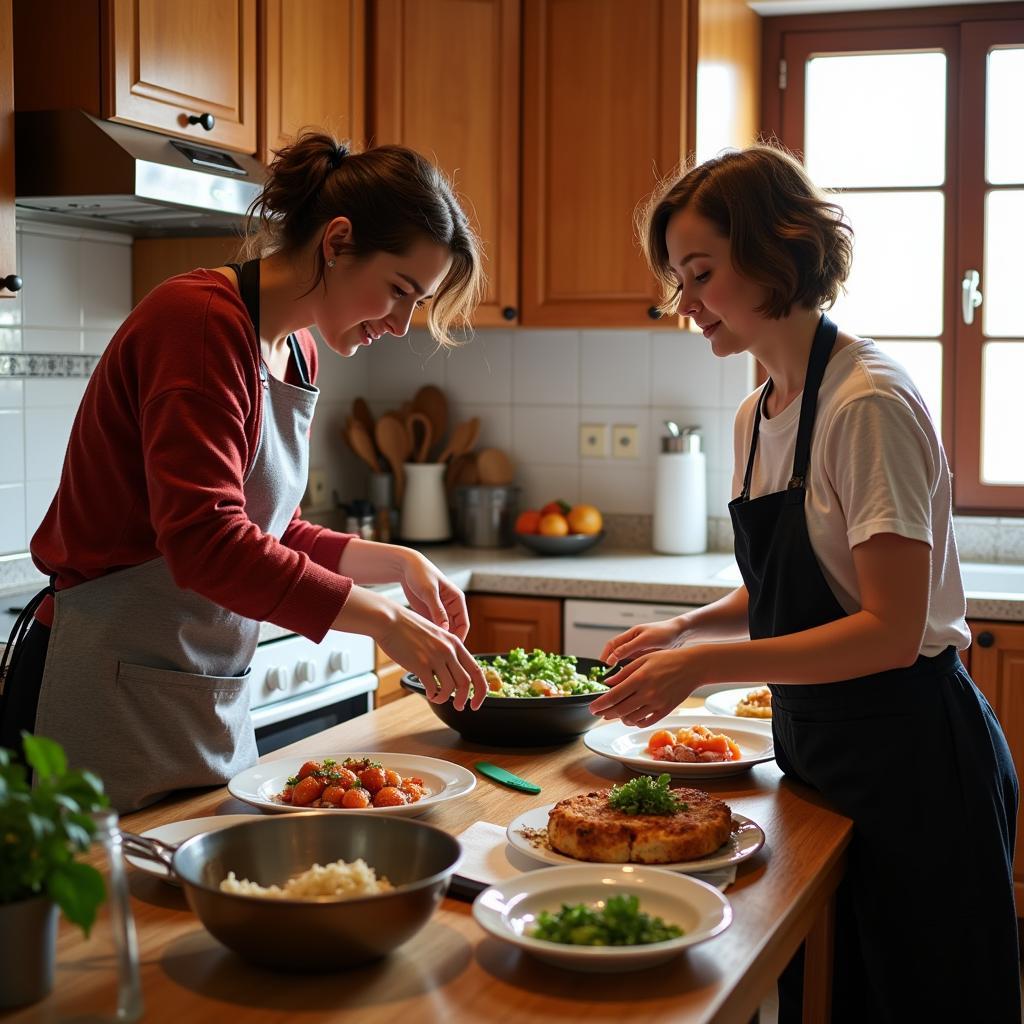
point(431, 594)
point(642, 639)
point(651, 686)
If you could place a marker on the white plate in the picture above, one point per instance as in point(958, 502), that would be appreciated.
point(724, 702)
point(628, 745)
point(508, 912)
point(259, 784)
point(178, 831)
point(746, 839)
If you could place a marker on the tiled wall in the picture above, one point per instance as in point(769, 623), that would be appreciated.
point(533, 389)
point(77, 291)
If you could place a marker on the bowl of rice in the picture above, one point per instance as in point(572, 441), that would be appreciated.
point(317, 891)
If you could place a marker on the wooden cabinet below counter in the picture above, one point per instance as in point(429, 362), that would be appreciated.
point(389, 676)
point(499, 623)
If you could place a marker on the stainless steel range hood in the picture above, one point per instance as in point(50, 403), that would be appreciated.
point(72, 166)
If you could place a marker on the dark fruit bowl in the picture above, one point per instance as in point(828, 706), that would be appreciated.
point(518, 721)
point(572, 544)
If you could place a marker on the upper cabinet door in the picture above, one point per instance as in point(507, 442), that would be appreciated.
point(313, 68)
point(604, 101)
point(446, 83)
point(8, 269)
point(171, 61)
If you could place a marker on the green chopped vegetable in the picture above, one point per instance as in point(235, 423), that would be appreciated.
point(643, 795)
point(538, 674)
point(620, 922)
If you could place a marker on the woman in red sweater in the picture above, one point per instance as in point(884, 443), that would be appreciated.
point(175, 529)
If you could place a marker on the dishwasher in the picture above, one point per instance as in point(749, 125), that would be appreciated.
point(588, 625)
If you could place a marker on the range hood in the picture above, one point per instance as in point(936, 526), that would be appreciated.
point(72, 166)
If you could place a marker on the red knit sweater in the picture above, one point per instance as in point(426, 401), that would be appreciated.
point(166, 431)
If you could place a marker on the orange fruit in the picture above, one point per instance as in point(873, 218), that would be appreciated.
point(554, 524)
point(528, 521)
point(556, 507)
point(585, 519)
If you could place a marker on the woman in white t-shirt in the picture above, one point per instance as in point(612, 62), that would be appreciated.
point(852, 605)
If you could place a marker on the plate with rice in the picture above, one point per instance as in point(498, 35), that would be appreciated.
point(742, 702)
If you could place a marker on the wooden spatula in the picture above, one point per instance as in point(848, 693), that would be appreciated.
point(431, 401)
point(463, 438)
point(362, 444)
point(393, 442)
point(417, 422)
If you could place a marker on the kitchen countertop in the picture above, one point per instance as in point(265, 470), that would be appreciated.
point(626, 575)
point(451, 971)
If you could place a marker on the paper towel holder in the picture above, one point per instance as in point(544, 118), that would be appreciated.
point(686, 440)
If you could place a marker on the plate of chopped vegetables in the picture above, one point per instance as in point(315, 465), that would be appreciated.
point(601, 918)
point(689, 744)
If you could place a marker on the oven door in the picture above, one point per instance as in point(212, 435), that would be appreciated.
point(294, 719)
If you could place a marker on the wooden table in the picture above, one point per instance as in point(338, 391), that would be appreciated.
point(451, 971)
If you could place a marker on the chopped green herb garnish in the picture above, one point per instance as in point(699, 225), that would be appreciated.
point(620, 922)
point(293, 780)
point(329, 762)
point(643, 795)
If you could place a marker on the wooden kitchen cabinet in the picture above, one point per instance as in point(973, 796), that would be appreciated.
point(997, 666)
point(446, 83)
point(8, 248)
point(389, 676)
point(312, 70)
point(499, 623)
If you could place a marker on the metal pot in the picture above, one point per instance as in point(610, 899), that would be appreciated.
point(326, 933)
point(28, 937)
point(485, 516)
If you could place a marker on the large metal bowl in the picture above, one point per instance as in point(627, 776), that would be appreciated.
point(518, 721)
point(327, 933)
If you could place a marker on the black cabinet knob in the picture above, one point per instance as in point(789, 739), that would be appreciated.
point(11, 282)
point(510, 312)
point(206, 120)
point(986, 639)
point(654, 313)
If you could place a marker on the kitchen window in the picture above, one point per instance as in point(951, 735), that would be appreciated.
point(915, 118)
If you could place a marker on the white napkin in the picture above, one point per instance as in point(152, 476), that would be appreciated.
point(487, 856)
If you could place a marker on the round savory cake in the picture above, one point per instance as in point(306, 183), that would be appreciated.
point(587, 827)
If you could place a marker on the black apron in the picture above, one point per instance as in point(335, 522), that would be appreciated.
point(926, 927)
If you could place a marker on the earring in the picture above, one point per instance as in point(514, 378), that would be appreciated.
point(330, 263)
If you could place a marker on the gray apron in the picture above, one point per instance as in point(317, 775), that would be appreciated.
point(147, 684)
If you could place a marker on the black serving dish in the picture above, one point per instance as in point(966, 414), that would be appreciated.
point(518, 721)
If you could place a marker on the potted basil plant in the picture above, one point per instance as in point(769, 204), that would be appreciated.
point(42, 828)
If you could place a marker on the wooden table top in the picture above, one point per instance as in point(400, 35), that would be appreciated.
point(451, 970)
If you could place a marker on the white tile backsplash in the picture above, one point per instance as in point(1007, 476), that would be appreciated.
point(546, 368)
point(615, 370)
point(399, 366)
point(12, 394)
point(12, 517)
point(541, 484)
point(481, 370)
point(52, 290)
point(38, 496)
point(12, 446)
point(51, 339)
point(105, 273)
point(545, 434)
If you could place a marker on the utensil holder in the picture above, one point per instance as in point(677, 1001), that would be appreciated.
point(424, 505)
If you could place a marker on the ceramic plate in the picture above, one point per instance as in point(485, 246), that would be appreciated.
point(508, 911)
point(261, 783)
point(628, 745)
point(724, 702)
point(746, 839)
point(177, 832)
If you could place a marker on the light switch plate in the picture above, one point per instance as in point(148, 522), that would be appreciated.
point(625, 443)
point(593, 440)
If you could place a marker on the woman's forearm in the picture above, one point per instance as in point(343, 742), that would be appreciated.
point(367, 561)
point(724, 619)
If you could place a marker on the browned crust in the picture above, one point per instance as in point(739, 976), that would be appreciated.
point(586, 827)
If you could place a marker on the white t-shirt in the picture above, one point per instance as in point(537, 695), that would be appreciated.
point(877, 466)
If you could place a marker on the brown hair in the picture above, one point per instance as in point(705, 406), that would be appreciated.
point(393, 197)
point(783, 231)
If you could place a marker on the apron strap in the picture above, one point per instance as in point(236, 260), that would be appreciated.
point(821, 348)
point(21, 627)
point(749, 472)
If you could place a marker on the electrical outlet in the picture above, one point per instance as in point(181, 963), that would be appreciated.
point(593, 440)
point(625, 444)
point(316, 490)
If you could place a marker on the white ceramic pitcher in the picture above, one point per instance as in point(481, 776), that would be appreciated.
point(424, 503)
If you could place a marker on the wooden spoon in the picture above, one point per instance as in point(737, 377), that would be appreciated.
point(393, 441)
point(430, 401)
point(494, 467)
point(362, 444)
point(418, 419)
point(463, 438)
point(461, 472)
point(361, 414)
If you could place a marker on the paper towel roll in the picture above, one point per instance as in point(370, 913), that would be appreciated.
point(681, 503)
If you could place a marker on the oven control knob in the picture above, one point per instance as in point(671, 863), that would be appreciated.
point(338, 661)
point(305, 672)
point(277, 678)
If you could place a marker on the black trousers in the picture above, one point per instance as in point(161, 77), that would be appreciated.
point(21, 688)
point(925, 926)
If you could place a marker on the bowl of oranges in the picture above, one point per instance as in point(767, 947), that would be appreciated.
point(559, 528)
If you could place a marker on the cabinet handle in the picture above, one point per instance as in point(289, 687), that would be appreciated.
point(206, 120)
point(654, 313)
point(986, 639)
point(510, 313)
point(11, 282)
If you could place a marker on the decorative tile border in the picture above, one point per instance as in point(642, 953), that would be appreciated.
point(46, 364)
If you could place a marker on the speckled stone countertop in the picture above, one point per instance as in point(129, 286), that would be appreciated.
point(624, 575)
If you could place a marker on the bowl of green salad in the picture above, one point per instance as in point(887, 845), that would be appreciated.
point(534, 699)
point(603, 918)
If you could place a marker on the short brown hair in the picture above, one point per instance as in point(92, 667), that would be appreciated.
point(783, 231)
point(392, 195)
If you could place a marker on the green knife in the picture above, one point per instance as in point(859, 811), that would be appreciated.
point(492, 771)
